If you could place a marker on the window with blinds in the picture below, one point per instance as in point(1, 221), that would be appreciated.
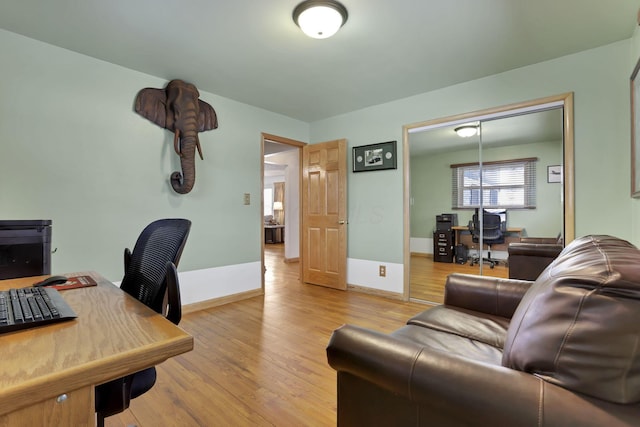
point(508, 184)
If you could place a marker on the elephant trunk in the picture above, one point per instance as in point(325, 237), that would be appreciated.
point(183, 182)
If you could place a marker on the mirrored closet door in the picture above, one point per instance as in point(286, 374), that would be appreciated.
point(470, 195)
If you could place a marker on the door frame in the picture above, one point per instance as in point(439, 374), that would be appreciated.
point(565, 100)
point(294, 143)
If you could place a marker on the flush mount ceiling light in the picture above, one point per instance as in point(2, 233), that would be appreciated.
point(320, 19)
point(466, 131)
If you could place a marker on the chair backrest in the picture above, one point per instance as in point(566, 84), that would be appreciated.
point(159, 244)
point(492, 231)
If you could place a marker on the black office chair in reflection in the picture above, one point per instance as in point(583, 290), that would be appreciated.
point(151, 277)
point(492, 233)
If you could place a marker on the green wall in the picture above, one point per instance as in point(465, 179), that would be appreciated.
point(73, 150)
point(431, 191)
point(599, 79)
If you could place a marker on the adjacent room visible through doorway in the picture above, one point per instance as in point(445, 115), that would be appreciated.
point(280, 201)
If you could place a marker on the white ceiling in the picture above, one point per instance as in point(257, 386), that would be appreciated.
point(533, 127)
point(252, 52)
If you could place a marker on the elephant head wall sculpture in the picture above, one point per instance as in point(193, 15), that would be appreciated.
point(178, 109)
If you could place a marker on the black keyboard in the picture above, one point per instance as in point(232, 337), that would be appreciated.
point(30, 307)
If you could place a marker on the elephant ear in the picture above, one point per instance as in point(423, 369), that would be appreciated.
point(208, 119)
point(152, 104)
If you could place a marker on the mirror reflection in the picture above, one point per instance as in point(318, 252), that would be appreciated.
point(470, 197)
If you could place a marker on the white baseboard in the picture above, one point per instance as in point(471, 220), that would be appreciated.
point(217, 282)
point(213, 286)
point(421, 245)
point(365, 273)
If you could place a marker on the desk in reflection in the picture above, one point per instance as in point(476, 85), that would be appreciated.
point(463, 236)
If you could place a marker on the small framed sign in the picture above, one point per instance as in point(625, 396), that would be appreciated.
point(554, 173)
point(375, 157)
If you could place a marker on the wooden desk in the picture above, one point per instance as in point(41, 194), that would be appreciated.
point(114, 335)
point(513, 235)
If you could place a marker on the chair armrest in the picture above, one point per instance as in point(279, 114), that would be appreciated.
point(127, 259)
point(174, 309)
point(491, 295)
point(113, 397)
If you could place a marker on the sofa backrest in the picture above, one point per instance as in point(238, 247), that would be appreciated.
point(578, 326)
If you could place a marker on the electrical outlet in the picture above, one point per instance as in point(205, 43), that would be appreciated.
point(383, 271)
point(247, 198)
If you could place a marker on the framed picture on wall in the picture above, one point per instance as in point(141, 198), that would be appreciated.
point(635, 132)
point(374, 157)
point(554, 173)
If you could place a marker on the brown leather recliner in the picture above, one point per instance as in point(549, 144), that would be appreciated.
point(563, 351)
point(529, 257)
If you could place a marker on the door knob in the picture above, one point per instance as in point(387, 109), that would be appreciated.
point(342, 222)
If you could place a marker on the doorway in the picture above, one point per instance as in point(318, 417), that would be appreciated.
point(280, 201)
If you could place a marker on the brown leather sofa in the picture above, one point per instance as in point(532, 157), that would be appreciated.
point(529, 257)
point(561, 351)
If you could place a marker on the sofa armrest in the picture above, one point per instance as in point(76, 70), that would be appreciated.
point(549, 240)
point(447, 389)
point(528, 260)
point(440, 380)
point(549, 250)
point(491, 295)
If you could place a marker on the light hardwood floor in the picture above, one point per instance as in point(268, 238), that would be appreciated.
point(262, 361)
point(427, 278)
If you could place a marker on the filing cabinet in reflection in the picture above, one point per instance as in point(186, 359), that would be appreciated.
point(444, 238)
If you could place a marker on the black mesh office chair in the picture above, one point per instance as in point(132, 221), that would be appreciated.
point(151, 277)
point(492, 233)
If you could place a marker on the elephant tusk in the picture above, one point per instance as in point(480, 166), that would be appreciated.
point(199, 148)
point(176, 142)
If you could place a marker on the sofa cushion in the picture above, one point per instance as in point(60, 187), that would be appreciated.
point(482, 327)
point(578, 325)
point(452, 344)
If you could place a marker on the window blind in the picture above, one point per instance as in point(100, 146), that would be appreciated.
point(509, 184)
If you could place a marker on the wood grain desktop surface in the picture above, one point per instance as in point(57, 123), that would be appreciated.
point(113, 335)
